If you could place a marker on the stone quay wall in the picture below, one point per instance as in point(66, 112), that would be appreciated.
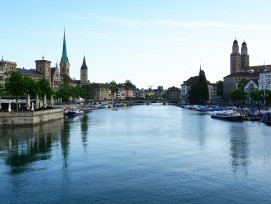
point(29, 117)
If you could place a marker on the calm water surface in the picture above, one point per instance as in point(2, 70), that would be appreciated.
point(142, 154)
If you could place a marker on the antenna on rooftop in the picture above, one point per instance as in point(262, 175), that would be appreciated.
point(43, 53)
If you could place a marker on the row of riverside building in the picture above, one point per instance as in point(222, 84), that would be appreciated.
point(258, 77)
point(57, 75)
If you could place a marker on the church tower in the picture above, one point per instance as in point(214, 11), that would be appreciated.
point(44, 67)
point(244, 56)
point(84, 73)
point(235, 58)
point(64, 62)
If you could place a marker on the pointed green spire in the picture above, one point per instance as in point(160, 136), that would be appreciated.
point(64, 57)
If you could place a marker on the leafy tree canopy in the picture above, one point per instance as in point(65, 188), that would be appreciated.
point(242, 83)
point(219, 90)
point(199, 93)
point(129, 84)
point(16, 84)
point(114, 87)
point(32, 87)
point(2, 89)
point(64, 92)
point(87, 91)
point(44, 88)
point(238, 95)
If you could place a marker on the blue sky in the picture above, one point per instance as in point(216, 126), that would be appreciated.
point(150, 42)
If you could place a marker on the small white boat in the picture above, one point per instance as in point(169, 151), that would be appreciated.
point(72, 113)
point(228, 115)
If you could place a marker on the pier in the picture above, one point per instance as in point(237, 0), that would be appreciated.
point(18, 118)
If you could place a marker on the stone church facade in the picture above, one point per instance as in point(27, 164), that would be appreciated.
point(55, 75)
point(240, 68)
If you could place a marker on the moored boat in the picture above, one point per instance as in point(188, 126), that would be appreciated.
point(266, 118)
point(72, 113)
point(228, 115)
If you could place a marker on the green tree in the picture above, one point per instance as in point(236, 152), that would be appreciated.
point(87, 91)
point(255, 95)
point(129, 84)
point(242, 83)
point(32, 87)
point(2, 91)
point(16, 86)
point(238, 95)
point(193, 98)
point(165, 95)
point(203, 88)
point(75, 91)
point(114, 88)
point(64, 92)
point(219, 90)
point(268, 95)
point(199, 93)
point(44, 88)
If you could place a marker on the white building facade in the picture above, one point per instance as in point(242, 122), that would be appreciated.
point(264, 80)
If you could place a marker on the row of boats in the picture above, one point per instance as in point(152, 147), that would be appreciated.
point(233, 113)
point(75, 111)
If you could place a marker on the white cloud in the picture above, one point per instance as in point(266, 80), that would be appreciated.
point(211, 24)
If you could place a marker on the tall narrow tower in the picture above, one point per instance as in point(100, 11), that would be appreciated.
point(244, 56)
point(64, 62)
point(84, 73)
point(235, 58)
point(44, 67)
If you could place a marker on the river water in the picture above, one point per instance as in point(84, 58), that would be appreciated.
point(140, 154)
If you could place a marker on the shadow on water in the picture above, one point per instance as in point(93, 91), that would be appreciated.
point(239, 148)
point(24, 146)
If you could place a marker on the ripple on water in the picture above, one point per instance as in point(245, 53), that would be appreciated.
point(142, 154)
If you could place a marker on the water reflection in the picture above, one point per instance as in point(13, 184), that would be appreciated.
point(84, 130)
point(26, 145)
point(239, 148)
point(143, 154)
point(202, 127)
point(65, 143)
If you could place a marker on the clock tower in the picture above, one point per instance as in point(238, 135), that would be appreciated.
point(84, 73)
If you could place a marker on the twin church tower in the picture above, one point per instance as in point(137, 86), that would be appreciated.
point(239, 62)
point(65, 65)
